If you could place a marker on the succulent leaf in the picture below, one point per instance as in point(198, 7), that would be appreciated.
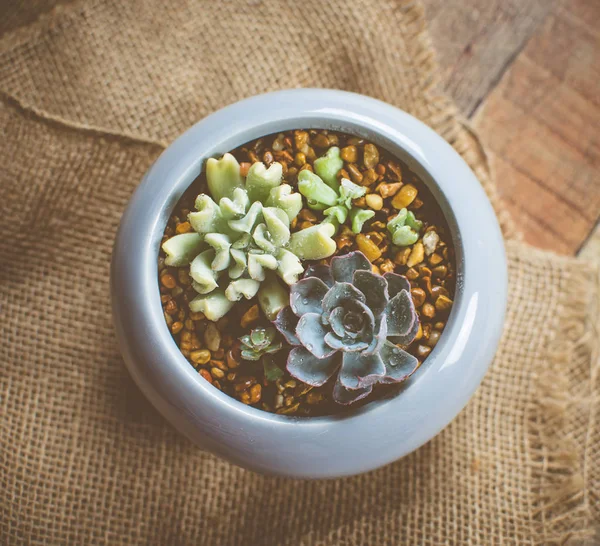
point(307, 295)
point(182, 249)
point(260, 180)
point(278, 225)
point(272, 371)
point(348, 191)
point(245, 224)
point(396, 283)
point(236, 207)
point(340, 293)
point(358, 217)
point(360, 370)
point(375, 289)
point(272, 297)
point(257, 263)
point(223, 176)
point(283, 198)
point(398, 363)
point(286, 322)
point(343, 267)
point(289, 267)
point(208, 217)
point(309, 369)
point(400, 314)
point(238, 268)
point(313, 243)
point(311, 334)
point(202, 273)
point(320, 271)
point(242, 287)
point(214, 305)
point(339, 213)
point(328, 167)
point(315, 190)
point(344, 396)
point(404, 228)
point(221, 244)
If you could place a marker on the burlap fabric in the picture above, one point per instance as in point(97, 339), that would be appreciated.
point(91, 93)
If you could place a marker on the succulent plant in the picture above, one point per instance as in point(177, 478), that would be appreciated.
point(404, 228)
point(345, 319)
point(334, 201)
point(242, 235)
point(259, 342)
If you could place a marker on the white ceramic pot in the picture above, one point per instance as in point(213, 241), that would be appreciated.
point(361, 439)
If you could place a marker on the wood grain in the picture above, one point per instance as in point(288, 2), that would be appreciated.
point(541, 124)
point(476, 40)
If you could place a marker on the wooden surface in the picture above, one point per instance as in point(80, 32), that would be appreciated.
point(527, 74)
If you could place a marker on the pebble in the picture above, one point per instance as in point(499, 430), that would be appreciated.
point(370, 156)
point(368, 247)
point(349, 154)
point(404, 197)
point(417, 255)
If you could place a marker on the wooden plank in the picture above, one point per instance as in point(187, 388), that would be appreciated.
point(476, 40)
point(541, 125)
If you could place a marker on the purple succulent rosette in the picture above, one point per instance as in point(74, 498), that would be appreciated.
point(345, 319)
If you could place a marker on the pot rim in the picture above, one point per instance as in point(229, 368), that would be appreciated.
point(243, 434)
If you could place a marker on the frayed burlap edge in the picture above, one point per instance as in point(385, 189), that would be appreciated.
point(561, 504)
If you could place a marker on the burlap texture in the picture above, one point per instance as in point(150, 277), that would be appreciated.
point(90, 95)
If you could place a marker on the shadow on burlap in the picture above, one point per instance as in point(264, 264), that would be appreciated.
point(91, 94)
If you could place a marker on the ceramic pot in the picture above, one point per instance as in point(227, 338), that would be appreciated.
point(360, 439)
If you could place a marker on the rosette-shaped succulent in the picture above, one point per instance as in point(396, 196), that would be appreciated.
point(242, 232)
point(259, 342)
point(345, 319)
point(404, 228)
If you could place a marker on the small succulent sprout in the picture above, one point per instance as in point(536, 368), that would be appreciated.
point(272, 297)
point(328, 167)
point(259, 342)
point(347, 321)
point(223, 176)
point(182, 249)
point(214, 305)
point(314, 243)
point(404, 228)
point(336, 204)
point(348, 191)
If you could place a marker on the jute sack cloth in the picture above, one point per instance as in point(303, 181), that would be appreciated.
point(91, 93)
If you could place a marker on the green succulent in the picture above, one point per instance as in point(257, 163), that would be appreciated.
point(404, 228)
point(323, 192)
point(259, 342)
point(242, 238)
